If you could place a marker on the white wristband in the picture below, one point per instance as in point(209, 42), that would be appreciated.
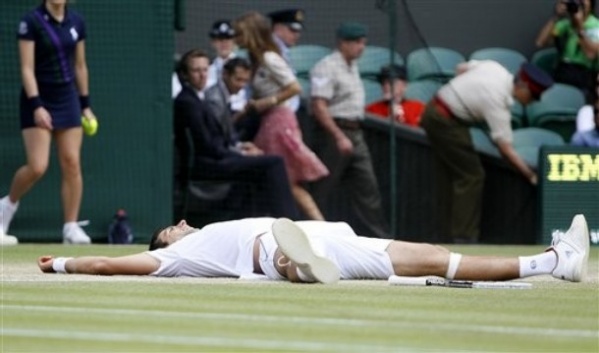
point(59, 263)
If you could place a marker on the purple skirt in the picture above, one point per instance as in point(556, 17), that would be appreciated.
point(61, 101)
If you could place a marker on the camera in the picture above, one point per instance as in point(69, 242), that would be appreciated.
point(572, 6)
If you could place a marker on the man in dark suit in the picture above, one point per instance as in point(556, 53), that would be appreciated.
point(218, 153)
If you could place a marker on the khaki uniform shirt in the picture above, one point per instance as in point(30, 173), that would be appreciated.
point(483, 93)
point(340, 84)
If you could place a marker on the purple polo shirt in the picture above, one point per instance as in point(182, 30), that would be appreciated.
point(55, 43)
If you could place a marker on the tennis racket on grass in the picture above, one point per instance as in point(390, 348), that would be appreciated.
point(442, 282)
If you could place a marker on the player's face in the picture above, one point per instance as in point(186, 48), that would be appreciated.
point(223, 46)
point(289, 36)
point(238, 80)
point(171, 234)
point(56, 2)
point(399, 88)
point(352, 49)
point(522, 93)
point(197, 72)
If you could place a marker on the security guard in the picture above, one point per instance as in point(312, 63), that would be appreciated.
point(483, 91)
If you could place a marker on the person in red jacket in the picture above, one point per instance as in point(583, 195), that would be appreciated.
point(405, 111)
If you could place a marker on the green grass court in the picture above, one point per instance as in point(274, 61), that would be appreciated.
point(76, 313)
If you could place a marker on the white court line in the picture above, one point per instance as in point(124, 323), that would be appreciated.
point(222, 342)
point(316, 321)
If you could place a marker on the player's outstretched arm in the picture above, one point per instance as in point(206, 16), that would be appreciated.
point(138, 264)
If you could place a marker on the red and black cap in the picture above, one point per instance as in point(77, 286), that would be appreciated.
point(535, 78)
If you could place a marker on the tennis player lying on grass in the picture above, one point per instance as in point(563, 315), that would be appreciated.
point(316, 251)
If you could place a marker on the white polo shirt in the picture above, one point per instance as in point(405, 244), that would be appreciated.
point(483, 93)
point(271, 77)
point(223, 249)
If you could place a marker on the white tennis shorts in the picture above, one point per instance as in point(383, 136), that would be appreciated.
point(356, 257)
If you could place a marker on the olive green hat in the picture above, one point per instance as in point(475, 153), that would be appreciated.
point(351, 31)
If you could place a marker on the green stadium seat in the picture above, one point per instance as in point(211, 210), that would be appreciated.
point(518, 115)
point(433, 63)
point(372, 90)
point(557, 110)
point(373, 58)
point(422, 90)
point(546, 59)
point(304, 57)
point(305, 83)
point(509, 58)
point(242, 53)
point(482, 142)
point(528, 142)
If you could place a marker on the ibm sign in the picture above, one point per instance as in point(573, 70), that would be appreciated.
point(569, 184)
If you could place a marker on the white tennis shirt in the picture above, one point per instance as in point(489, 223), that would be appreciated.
point(223, 249)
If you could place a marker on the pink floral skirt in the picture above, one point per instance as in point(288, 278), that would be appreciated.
point(280, 135)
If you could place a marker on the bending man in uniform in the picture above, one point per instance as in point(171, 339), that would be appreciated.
point(318, 251)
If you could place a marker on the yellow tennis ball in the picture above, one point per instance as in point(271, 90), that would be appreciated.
point(90, 125)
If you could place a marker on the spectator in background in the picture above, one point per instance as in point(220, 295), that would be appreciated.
point(175, 80)
point(338, 105)
point(586, 114)
point(483, 91)
point(590, 137)
point(54, 96)
point(405, 111)
point(219, 155)
point(221, 38)
point(574, 30)
point(287, 27)
point(273, 83)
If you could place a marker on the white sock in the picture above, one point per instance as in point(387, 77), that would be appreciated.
point(12, 206)
point(69, 225)
point(541, 264)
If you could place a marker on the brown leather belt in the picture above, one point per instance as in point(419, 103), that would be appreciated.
point(348, 124)
point(442, 108)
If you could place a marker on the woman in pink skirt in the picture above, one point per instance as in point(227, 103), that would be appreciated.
point(273, 83)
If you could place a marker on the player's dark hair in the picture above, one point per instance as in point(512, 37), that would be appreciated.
point(183, 66)
point(155, 242)
point(234, 63)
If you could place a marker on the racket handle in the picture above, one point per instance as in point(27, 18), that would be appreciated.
point(408, 281)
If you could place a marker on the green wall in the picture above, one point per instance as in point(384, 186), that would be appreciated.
point(128, 164)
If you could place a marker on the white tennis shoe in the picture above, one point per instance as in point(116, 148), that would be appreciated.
point(8, 240)
point(73, 234)
point(572, 250)
point(7, 211)
point(294, 244)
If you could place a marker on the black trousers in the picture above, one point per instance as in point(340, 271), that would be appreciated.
point(266, 172)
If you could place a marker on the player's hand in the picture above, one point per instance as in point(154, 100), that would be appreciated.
point(45, 263)
point(344, 145)
point(578, 19)
point(87, 112)
point(533, 179)
point(399, 113)
point(42, 118)
point(249, 149)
